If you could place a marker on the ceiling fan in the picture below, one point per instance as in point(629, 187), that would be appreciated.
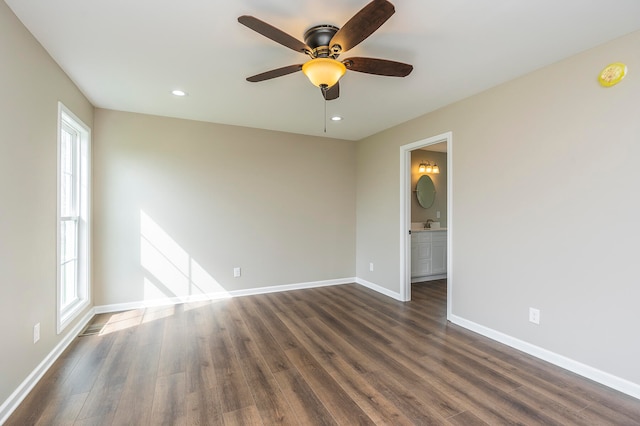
point(324, 43)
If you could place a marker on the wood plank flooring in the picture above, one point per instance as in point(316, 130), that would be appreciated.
point(341, 355)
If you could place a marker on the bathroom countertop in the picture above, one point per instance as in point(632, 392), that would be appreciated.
point(428, 229)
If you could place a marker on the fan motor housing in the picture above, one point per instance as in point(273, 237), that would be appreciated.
point(319, 37)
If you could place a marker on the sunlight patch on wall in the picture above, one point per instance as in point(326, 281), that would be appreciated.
point(151, 291)
point(172, 274)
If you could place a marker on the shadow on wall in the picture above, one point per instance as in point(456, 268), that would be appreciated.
point(171, 274)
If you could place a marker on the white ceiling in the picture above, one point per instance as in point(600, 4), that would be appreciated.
point(128, 55)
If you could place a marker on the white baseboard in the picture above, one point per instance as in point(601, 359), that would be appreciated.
point(614, 382)
point(289, 287)
point(117, 307)
point(379, 289)
point(32, 379)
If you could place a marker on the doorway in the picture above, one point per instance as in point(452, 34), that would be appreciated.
point(405, 213)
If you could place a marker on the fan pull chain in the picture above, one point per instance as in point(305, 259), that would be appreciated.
point(324, 89)
point(325, 113)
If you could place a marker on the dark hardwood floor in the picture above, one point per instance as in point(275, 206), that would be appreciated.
point(334, 355)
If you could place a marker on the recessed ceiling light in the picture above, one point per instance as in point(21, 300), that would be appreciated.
point(179, 93)
point(336, 118)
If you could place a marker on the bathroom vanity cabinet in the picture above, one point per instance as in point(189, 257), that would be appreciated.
point(428, 254)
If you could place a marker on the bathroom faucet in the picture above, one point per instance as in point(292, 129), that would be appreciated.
point(427, 224)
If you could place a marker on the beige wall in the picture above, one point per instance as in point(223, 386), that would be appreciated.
point(419, 213)
point(32, 84)
point(178, 204)
point(553, 224)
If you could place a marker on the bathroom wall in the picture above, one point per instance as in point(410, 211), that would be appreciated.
point(419, 213)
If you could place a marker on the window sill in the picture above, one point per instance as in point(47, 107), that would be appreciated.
point(67, 316)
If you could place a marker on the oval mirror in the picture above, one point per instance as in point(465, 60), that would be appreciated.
point(426, 191)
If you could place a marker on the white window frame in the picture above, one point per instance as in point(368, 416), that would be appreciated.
point(82, 165)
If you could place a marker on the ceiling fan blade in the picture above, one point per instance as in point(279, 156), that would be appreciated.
point(361, 25)
point(278, 72)
point(332, 92)
point(273, 33)
point(378, 66)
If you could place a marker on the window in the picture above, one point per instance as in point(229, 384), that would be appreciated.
point(73, 216)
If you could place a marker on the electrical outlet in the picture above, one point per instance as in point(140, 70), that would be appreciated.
point(371, 266)
point(36, 332)
point(438, 214)
point(236, 272)
point(534, 315)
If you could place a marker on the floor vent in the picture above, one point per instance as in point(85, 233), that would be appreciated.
point(92, 330)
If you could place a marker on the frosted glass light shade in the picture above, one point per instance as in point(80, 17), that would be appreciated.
point(324, 71)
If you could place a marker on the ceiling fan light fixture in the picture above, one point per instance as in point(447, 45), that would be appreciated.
point(324, 72)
